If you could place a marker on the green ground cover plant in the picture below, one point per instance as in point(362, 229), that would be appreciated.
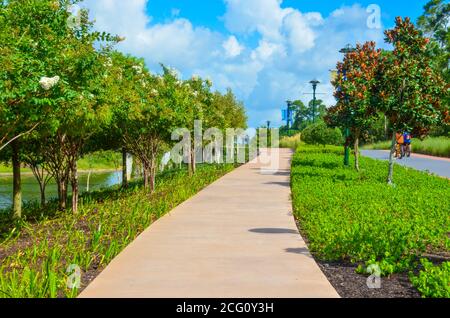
point(36, 254)
point(355, 217)
point(434, 146)
point(433, 281)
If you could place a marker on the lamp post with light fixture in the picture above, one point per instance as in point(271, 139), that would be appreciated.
point(346, 50)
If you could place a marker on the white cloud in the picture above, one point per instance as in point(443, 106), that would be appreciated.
point(292, 47)
point(232, 47)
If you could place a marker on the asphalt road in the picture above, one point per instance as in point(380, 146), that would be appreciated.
point(438, 166)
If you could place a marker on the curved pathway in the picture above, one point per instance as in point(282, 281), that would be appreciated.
point(237, 238)
point(435, 165)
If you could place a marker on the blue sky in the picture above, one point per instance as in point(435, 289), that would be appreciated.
point(265, 50)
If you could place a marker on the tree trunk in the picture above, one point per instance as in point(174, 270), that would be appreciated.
point(124, 169)
point(146, 173)
point(390, 179)
point(193, 163)
point(153, 169)
point(17, 186)
point(88, 183)
point(356, 149)
point(62, 193)
point(75, 188)
point(42, 189)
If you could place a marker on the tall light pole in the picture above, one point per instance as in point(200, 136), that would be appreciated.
point(346, 50)
point(289, 108)
point(314, 84)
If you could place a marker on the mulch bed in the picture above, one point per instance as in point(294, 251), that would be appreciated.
point(349, 284)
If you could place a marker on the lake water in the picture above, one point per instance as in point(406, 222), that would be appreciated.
point(30, 187)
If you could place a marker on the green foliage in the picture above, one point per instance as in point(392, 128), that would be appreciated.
point(304, 114)
point(291, 142)
point(106, 223)
point(434, 23)
point(320, 134)
point(433, 281)
point(356, 217)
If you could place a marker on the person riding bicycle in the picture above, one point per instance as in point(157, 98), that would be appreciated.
point(407, 144)
point(399, 148)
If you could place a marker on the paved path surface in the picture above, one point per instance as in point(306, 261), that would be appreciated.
point(237, 238)
point(438, 166)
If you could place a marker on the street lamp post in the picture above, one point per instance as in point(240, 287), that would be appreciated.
point(314, 85)
point(289, 109)
point(346, 50)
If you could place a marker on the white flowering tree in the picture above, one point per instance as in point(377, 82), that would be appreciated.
point(27, 86)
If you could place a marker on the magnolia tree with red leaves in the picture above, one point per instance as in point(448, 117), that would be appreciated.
point(356, 92)
point(412, 93)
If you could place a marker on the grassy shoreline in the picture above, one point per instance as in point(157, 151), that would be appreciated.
point(356, 218)
point(35, 256)
point(98, 161)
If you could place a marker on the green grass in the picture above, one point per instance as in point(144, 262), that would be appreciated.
point(291, 142)
point(434, 146)
point(102, 160)
point(357, 218)
point(39, 253)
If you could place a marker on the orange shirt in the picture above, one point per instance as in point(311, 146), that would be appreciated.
point(400, 139)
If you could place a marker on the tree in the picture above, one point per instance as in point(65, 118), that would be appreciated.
point(30, 33)
point(357, 93)
point(320, 134)
point(411, 90)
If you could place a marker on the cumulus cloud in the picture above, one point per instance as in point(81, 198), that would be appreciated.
point(232, 47)
point(292, 47)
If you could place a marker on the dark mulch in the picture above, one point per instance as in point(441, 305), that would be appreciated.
point(349, 284)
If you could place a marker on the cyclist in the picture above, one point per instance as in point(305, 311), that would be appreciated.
point(400, 143)
point(407, 144)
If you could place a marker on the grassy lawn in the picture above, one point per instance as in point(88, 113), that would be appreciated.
point(356, 218)
point(34, 257)
point(438, 146)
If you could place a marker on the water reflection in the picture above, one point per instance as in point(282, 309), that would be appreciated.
point(30, 187)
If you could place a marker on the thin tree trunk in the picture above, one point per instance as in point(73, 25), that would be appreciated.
point(193, 163)
point(390, 179)
point(42, 189)
point(356, 149)
point(153, 168)
point(124, 169)
point(75, 188)
point(62, 193)
point(88, 181)
point(17, 186)
point(146, 183)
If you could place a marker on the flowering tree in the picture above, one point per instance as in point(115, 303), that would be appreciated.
point(27, 85)
point(356, 92)
point(411, 91)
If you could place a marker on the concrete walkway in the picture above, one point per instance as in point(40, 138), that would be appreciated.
point(237, 238)
point(435, 165)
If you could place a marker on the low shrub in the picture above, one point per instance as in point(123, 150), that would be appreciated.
point(321, 134)
point(356, 217)
point(433, 281)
